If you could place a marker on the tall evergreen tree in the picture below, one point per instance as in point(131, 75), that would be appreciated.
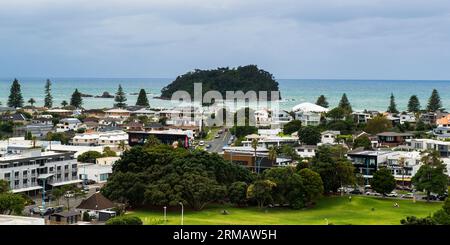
point(142, 99)
point(48, 101)
point(322, 101)
point(392, 106)
point(413, 104)
point(345, 104)
point(120, 98)
point(15, 97)
point(76, 99)
point(434, 103)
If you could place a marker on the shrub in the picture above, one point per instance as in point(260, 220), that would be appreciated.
point(124, 220)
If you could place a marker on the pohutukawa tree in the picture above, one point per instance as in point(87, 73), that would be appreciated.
point(413, 104)
point(434, 103)
point(48, 101)
point(345, 104)
point(322, 101)
point(15, 97)
point(120, 98)
point(392, 105)
point(76, 99)
point(142, 99)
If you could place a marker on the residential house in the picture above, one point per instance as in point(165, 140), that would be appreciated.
point(329, 137)
point(392, 139)
point(309, 114)
point(69, 124)
point(118, 113)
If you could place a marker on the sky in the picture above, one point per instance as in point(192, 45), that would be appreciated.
point(335, 39)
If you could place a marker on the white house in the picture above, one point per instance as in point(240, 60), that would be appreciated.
point(94, 172)
point(68, 124)
point(329, 137)
point(409, 118)
point(306, 151)
point(308, 113)
point(108, 138)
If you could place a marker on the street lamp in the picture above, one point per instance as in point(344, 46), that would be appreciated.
point(165, 214)
point(182, 212)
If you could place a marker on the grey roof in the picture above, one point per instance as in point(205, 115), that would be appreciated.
point(66, 214)
point(394, 134)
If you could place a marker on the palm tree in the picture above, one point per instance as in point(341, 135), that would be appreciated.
point(255, 147)
point(31, 101)
point(273, 154)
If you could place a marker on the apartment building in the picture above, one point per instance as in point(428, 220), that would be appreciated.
point(32, 170)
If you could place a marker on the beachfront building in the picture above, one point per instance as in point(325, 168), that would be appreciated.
point(69, 124)
point(308, 113)
point(108, 138)
point(34, 169)
point(118, 113)
point(280, 118)
point(60, 112)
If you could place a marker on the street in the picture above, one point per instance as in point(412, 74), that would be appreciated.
point(218, 143)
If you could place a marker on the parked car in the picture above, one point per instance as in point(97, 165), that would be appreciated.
point(356, 192)
point(47, 211)
point(392, 194)
point(201, 143)
point(217, 136)
point(59, 209)
point(407, 196)
point(208, 146)
point(69, 194)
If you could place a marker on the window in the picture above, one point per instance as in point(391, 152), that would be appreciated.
point(103, 177)
point(66, 167)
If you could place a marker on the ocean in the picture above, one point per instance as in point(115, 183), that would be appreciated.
point(362, 94)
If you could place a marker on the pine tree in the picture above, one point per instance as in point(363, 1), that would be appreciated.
point(76, 99)
point(345, 104)
point(392, 106)
point(120, 98)
point(322, 101)
point(142, 99)
point(15, 97)
point(48, 101)
point(64, 103)
point(434, 103)
point(413, 104)
point(31, 101)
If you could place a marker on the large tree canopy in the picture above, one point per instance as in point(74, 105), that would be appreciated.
point(161, 175)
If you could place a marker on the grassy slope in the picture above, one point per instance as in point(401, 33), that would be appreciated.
point(338, 210)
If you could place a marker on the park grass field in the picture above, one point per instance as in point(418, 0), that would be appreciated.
point(362, 210)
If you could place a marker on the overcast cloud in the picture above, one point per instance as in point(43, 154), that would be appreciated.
point(373, 39)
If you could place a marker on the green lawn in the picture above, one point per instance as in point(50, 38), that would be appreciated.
point(337, 210)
